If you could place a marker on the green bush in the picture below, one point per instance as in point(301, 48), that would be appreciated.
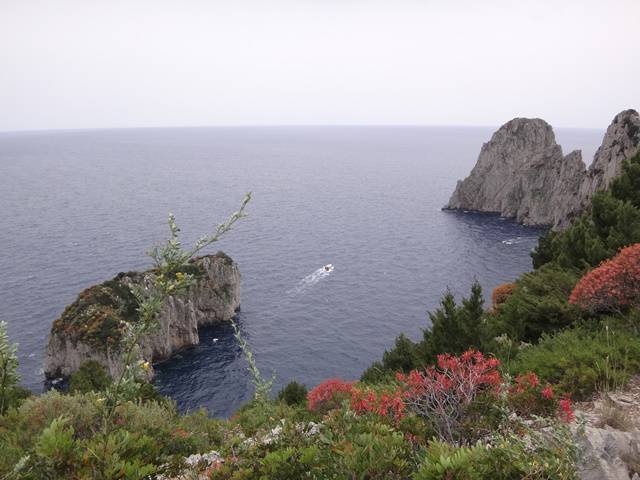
point(293, 393)
point(551, 455)
point(539, 304)
point(582, 360)
point(90, 377)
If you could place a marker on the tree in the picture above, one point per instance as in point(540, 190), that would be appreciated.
point(454, 328)
point(8, 368)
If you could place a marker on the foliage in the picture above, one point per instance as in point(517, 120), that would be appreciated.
point(537, 455)
point(293, 393)
point(8, 370)
point(90, 377)
point(537, 305)
point(403, 357)
point(582, 360)
point(98, 315)
point(611, 223)
point(501, 293)
point(329, 395)
point(613, 286)
point(262, 387)
point(387, 403)
point(454, 328)
point(444, 394)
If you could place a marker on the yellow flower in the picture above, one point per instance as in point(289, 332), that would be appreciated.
point(146, 366)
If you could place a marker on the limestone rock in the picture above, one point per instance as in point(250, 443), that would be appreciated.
point(606, 454)
point(215, 297)
point(621, 141)
point(522, 173)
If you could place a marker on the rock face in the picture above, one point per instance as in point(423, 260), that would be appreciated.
point(522, 173)
point(214, 298)
point(621, 141)
point(610, 450)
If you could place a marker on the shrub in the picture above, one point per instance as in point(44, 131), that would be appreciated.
point(403, 357)
point(454, 328)
point(444, 394)
point(613, 286)
point(580, 361)
point(528, 396)
point(539, 304)
point(293, 393)
point(550, 455)
point(386, 403)
point(90, 377)
point(501, 293)
point(329, 395)
point(8, 370)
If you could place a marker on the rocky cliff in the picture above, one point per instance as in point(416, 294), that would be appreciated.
point(90, 328)
point(522, 173)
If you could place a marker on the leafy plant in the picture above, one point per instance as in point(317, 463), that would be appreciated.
point(613, 286)
point(293, 393)
point(90, 377)
point(442, 395)
point(582, 360)
point(8, 369)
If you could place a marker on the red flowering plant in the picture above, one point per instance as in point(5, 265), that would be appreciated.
point(565, 411)
point(329, 395)
point(389, 404)
point(444, 394)
point(527, 396)
point(612, 286)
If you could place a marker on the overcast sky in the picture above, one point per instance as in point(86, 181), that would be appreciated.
point(130, 63)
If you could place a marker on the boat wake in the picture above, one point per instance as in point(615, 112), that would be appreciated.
point(312, 279)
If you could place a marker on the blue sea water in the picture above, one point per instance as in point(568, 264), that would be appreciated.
point(80, 206)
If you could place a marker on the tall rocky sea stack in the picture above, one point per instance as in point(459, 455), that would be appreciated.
point(522, 173)
point(91, 327)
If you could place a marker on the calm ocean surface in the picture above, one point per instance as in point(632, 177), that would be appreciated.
point(80, 206)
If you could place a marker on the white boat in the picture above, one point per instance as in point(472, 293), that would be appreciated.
point(328, 268)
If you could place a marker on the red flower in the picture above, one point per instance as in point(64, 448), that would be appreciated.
point(565, 412)
point(547, 392)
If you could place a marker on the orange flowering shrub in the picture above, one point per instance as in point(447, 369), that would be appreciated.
point(501, 293)
point(613, 285)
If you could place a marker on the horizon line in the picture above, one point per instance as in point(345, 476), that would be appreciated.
point(283, 125)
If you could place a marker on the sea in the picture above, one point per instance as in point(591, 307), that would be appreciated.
point(79, 206)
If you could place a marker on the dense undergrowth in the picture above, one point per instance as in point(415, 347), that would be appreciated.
point(484, 394)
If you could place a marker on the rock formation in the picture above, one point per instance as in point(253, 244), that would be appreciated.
point(89, 328)
point(522, 173)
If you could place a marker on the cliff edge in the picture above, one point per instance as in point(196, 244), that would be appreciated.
point(91, 327)
point(522, 173)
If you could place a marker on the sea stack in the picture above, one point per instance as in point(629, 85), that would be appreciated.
point(90, 328)
point(522, 173)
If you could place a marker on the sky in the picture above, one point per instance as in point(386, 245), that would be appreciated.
point(145, 63)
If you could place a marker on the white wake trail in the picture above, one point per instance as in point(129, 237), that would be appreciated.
point(312, 279)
